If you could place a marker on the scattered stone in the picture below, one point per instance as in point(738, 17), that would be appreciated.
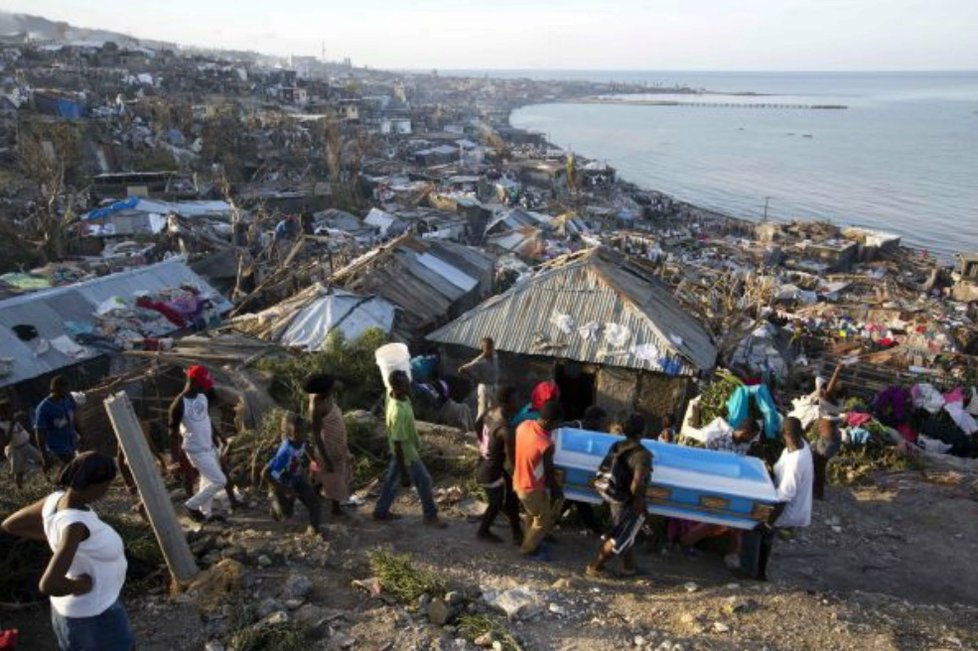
point(292, 604)
point(264, 560)
point(310, 615)
point(471, 507)
point(720, 627)
point(484, 640)
point(639, 641)
point(557, 609)
point(213, 646)
point(297, 586)
point(371, 585)
point(497, 645)
point(275, 619)
point(267, 607)
point(515, 603)
point(340, 640)
point(440, 612)
point(561, 584)
point(691, 586)
point(735, 605)
point(454, 598)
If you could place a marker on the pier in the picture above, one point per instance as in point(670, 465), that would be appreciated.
point(725, 105)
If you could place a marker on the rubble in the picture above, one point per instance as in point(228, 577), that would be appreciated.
point(301, 203)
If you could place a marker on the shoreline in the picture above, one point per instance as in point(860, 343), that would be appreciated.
point(701, 212)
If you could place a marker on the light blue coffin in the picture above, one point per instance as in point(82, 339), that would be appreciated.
point(690, 483)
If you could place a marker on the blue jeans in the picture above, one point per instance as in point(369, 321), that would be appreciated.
point(422, 484)
point(106, 632)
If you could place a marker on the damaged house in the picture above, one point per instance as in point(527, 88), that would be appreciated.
point(87, 325)
point(598, 323)
point(428, 281)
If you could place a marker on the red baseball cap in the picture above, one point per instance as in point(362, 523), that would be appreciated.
point(200, 376)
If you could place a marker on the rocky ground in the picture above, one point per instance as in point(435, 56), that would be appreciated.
point(885, 565)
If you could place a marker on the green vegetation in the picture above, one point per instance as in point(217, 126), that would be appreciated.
point(713, 404)
point(350, 362)
point(246, 636)
point(473, 627)
point(401, 578)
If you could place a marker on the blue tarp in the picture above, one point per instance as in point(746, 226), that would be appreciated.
point(111, 209)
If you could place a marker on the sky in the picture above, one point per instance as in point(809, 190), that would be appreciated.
point(565, 34)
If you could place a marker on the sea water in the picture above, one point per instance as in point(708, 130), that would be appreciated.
point(903, 157)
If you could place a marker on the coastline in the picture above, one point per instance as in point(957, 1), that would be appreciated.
point(689, 209)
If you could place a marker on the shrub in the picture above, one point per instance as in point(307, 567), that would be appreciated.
point(401, 578)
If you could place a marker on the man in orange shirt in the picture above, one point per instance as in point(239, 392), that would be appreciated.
point(534, 476)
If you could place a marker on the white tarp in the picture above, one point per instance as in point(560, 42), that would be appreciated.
point(350, 313)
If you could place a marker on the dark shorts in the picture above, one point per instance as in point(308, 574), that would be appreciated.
point(626, 525)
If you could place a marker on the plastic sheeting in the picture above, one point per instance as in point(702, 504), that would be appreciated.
point(759, 351)
point(350, 313)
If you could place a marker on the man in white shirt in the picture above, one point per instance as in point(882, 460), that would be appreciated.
point(793, 476)
point(190, 423)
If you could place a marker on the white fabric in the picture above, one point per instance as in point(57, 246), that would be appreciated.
point(810, 408)
point(718, 428)
point(933, 445)
point(195, 426)
point(212, 480)
point(617, 335)
point(793, 476)
point(563, 322)
point(589, 331)
point(101, 556)
point(973, 405)
point(927, 397)
point(961, 418)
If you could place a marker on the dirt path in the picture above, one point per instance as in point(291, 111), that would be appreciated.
point(884, 566)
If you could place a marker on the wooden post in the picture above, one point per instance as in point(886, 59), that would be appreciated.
point(162, 517)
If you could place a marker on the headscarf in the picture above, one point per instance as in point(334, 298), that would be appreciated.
point(544, 393)
point(200, 377)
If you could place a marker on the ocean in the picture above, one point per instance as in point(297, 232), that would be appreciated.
point(903, 157)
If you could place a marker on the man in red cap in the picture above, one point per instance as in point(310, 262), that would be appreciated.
point(190, 420)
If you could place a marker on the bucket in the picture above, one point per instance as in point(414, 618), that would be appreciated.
point(393, 357)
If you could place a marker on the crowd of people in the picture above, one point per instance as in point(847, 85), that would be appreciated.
point(516, 470)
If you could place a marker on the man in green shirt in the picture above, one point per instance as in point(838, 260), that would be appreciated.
point(406, 465)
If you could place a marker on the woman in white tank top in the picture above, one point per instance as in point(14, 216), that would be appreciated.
point(88, 568)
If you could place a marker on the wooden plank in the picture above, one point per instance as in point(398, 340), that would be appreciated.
point(162, 517)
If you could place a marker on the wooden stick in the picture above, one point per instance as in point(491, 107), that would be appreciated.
point(169, 534)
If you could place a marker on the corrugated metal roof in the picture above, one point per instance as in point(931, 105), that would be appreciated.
point(423, 278)
point(599, 287)
point(48, 310)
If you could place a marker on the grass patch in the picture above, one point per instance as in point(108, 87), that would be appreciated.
point(475, 626)
point(401, 578)
point(247, 636)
